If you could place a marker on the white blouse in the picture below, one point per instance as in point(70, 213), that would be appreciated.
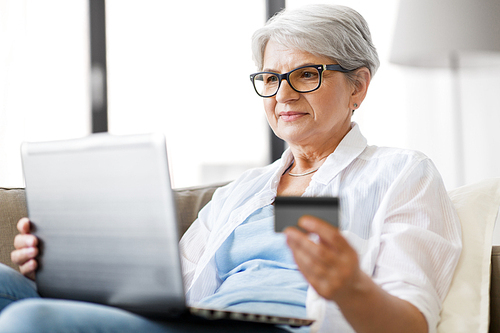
point(395, 212)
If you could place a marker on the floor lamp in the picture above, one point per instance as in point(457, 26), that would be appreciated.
point(439, 33)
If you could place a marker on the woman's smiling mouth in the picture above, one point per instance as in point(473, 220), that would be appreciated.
point(291, 115)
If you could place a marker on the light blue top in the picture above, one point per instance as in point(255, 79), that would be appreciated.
point(258, 272)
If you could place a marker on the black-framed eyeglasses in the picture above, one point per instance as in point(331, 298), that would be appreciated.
point(302, 79)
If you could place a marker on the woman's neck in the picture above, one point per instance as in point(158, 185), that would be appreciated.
point(307, 160)
point(310, 155)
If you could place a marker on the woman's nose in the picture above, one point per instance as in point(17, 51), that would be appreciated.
point(286, 93)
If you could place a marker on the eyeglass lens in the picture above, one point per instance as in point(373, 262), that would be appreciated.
point(302, 79)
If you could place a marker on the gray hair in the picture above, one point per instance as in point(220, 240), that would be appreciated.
point(337, 32)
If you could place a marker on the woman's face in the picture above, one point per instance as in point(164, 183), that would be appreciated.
point(315, 119)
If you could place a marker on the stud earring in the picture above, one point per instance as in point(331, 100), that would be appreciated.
point(355, 107)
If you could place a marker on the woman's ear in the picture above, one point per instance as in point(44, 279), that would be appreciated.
point(362, 78)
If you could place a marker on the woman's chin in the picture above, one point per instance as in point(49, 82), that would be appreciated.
point(292, 137)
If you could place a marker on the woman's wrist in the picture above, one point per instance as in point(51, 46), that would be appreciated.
point(359, 290)
point(369, 308)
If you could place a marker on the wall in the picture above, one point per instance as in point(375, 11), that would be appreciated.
point(170, 64)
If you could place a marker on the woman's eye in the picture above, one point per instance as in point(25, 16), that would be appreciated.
point(309, 75)
point(271, 79)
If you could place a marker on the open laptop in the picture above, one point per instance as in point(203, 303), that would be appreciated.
point(104, 212)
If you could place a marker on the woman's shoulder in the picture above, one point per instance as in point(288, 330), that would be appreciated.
point(392, 154)
point(395, 162)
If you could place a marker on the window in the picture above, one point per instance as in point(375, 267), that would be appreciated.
point(180, 68)
point(43, 77)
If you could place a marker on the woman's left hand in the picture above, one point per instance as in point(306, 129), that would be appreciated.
point(330, 265)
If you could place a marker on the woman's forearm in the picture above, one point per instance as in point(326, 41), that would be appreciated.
point(369, 308)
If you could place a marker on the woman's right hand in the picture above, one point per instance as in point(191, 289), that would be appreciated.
point(26, 250)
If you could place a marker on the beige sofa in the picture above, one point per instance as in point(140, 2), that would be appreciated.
point(189, 202)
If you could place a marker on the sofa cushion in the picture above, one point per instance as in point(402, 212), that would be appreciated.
point(466, 307)
point(189, 201)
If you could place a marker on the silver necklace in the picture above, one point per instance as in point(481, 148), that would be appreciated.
point(302, 174)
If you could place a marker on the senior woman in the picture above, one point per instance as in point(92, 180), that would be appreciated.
point(386, 269)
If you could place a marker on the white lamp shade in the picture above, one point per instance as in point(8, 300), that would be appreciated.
point(428, 32)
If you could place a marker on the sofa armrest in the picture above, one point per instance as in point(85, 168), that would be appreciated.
point(495, 290)
point(12, 208)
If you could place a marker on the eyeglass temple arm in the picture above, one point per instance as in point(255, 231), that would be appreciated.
point(337, 68)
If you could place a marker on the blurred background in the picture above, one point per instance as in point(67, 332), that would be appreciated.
point(182, 67)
